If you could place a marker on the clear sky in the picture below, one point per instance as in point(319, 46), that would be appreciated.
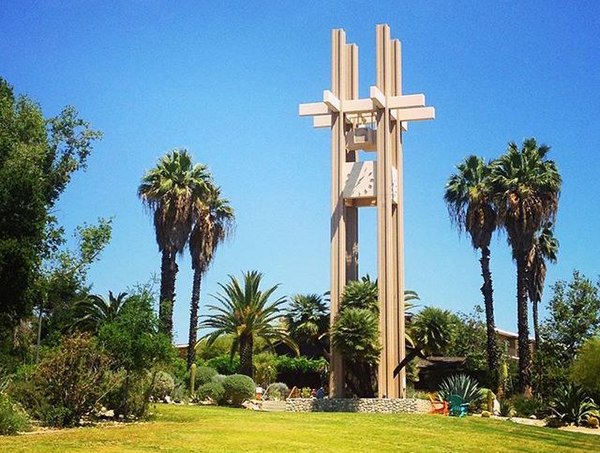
point(224, 79)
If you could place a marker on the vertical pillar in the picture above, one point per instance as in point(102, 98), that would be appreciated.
point(351, 212)
point(344, 219)
point(398, 220)
point(389, 248)
point(338, 227)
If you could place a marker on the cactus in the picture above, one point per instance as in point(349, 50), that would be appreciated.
point(490, 401)
point(192, 378)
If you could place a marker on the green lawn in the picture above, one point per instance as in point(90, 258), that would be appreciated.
point(199, 429)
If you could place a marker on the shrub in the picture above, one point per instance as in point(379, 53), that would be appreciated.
point(131, 396)
point(306, 392)
point(278, 391)
point(525, 407)
point(238, 388)
point(12, 418)
point(163, 385)
point(265, 368)
point(302, 364)
point(72, 378)
point(553, 422)
point(571, 405)
point(506, 408)
point(225, 364)
point(134, 344)
point(462, 385)
point(204, 375)
point(593, 422)
point(218, 378)
point(211, 390)
point(586, 367)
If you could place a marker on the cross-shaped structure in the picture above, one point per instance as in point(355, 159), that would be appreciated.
point(371, 124)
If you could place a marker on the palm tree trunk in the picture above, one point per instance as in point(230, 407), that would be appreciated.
point(487, 291)
point(191, 351)
point(409, 357)
point(168, 273)
point(523, 327)
point(536, 323)
point(246, 351)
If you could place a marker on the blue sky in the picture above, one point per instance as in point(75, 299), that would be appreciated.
point(224, 79)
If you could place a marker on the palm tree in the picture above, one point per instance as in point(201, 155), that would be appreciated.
point(470, 204)
point(213, 224)
point(527, 187)
point(545, 248)
point(355, 333)
point(247, 313)
point(431, 331)
point(307, 320)
point(169, 191)
point(94, 310)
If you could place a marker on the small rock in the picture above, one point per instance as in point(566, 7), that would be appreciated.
point(532, 417)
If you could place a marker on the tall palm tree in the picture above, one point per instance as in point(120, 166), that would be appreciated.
point(545, 248)
point(469, 199)
point(213, 223)
point(247, 313)
point(95, 310)
point(527, 187)
point(169, 190)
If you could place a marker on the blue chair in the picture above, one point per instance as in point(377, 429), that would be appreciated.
point(458, 408)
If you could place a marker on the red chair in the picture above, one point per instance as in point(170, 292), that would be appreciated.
point(438, 407)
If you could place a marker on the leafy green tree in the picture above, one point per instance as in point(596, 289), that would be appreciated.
point(307, 319)
point(63, 279)
point(526, 186)
point(470, 339)
point(545, 248)
point(169, 191)
point(134, 343)
point(585, 370)
point(37, 159)
point(247, 313)
point(469, 198)
point(573, 318)
point(95, 310)
point(213, 223)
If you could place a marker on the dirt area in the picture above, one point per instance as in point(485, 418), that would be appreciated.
point(535, 422)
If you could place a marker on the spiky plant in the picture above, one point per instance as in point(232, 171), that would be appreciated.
point(462, 385)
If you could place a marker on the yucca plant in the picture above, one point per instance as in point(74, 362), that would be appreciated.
point(506, 408)
point(571, 405)
point(462, 385)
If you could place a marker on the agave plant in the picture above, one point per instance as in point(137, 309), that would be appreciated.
point(571, 405)
point(462, 385)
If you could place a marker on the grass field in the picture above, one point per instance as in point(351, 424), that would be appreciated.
point(215, 429)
